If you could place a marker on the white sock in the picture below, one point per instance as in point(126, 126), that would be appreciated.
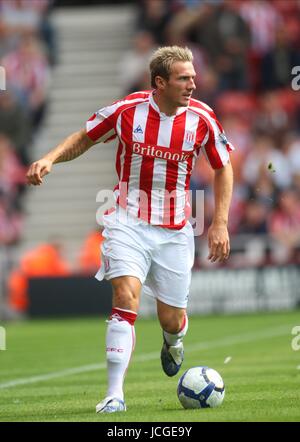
point(120, 341)
point(176, 338)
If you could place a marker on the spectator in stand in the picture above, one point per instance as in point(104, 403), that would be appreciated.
point(43, 261)
point(18, 19)
point(153, 16)
point(277, 63)
point(272, 116)
point(254, 219)
point(264, 190)
point(291, 148)
point(225, 37)
point(263, 20)
point(290, 13)
point(218, 30)
point(134, 62)
point(253, 223)
point(27, 72)
point(90, 257)
point(284, 227)
point(207, 85)
point(265, 159)
point(21, 18)
point(15, 124)
point(12, 179)
point(11, 223)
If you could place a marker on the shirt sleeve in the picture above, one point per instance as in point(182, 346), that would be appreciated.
point(216, 147)
point(100, 127)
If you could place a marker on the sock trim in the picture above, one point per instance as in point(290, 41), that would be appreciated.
point(123, 315)
point(124, 310)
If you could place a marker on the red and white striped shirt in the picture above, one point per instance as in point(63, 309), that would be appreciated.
point(156, 154)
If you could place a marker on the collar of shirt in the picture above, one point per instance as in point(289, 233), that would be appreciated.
point(162, 115)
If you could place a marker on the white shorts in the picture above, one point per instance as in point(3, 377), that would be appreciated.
point(160, 258)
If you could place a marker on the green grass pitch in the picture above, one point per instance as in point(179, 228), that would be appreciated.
point(54, 370)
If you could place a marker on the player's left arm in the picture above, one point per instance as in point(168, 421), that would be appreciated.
point(218, 237)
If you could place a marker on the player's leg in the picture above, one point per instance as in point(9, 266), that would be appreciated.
point(126, 259)
point(168, 281)
point(120, 340)
point(174, 323)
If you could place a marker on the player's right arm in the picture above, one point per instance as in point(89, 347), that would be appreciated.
point(72, 147)
point(100, 128)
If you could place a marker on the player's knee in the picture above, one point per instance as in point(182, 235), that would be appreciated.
point(171, 324)
point(124, 297)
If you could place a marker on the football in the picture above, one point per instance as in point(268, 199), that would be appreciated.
point(201, 387)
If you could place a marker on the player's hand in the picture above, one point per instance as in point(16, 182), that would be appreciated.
point(37, 171)
point(218, 243)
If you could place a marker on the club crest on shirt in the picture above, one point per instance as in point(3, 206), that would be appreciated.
point(190, 136)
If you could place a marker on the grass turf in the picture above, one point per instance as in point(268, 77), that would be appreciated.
point(262, 378)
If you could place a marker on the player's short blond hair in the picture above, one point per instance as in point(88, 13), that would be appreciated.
point(163, 58)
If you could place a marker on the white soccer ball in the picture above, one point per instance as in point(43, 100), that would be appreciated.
point(201, 387)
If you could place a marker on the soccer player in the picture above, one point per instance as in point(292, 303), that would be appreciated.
point(149, 241)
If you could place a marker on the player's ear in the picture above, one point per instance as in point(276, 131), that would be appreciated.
point(160, 82)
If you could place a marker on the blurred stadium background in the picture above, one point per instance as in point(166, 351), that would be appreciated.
point(65, 59)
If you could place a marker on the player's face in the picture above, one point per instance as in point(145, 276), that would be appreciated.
point(180, 86)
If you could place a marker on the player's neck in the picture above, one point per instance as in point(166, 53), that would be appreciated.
point(165, 106)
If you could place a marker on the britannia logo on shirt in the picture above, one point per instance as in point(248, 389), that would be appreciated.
point(160, 152)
